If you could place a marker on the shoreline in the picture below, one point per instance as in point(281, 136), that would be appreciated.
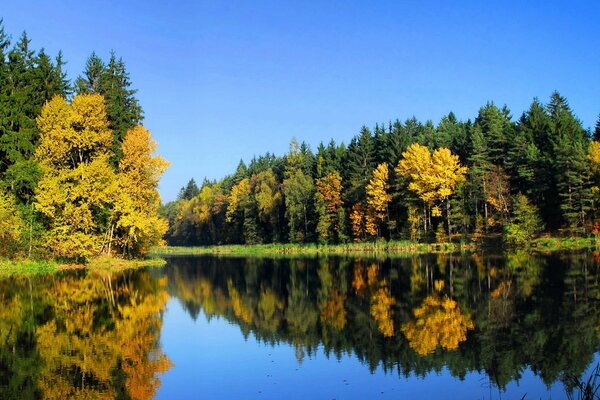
point(545, 244)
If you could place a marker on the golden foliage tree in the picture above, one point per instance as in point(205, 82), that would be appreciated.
point(329, 204)
point(378, 198)
point(138, 201)
point(239, 198)
point(11, 224)
point(87, 205)
point(77, 182)
point(433, 177)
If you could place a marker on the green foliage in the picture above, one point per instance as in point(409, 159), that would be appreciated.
point(525, 223)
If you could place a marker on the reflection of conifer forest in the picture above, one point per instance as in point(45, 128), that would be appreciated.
point(410, 315)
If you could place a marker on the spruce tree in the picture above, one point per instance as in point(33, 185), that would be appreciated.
point(571, 163)
point(360, 165)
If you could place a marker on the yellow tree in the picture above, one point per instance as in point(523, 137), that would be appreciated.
point(433, 177)
point(239, 198)
point(10, 225)
point(138, 223)
point(378, 198)
point(328, 199)
point(77, 185)
point(267, 195)
point(594, 158)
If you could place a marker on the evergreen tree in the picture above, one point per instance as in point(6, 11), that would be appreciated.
point(360, 165)
point(571, 163)
point(189, 191)
point(112, 81)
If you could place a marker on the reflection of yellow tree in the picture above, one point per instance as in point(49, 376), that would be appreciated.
point(100, 331)
point(239, 309)
point(358, 282)
point(381, 309)
point(438, 322)
point(333, 312)
point(270, 309)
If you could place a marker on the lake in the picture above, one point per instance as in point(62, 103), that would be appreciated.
point(434, 326)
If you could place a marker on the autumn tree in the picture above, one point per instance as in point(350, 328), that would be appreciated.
point(378, 198)
point(136, 208)
point(77, 185)
point(11, 225)
point(329, 205)
point(433, 177)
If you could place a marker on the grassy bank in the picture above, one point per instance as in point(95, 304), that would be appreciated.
point(109, 264)
point(374, 248)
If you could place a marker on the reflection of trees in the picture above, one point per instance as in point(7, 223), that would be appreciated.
point(504, 313)
point(438, 322)
point(95, 336)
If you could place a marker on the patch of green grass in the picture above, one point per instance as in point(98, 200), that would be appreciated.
point(104, 263)
point(26, 267)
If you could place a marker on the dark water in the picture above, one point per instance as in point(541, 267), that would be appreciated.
point(479, 327)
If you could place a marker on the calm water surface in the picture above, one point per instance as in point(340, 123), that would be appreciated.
point(479, 327)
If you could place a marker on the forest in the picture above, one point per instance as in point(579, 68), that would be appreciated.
point(78, 173)
point(465, 181)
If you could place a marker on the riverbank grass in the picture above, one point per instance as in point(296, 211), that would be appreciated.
point(101, 263)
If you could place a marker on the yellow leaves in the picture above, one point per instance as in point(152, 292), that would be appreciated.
point(10, 222)
point(329, 203)
point(357, 219)
point(82, 196)
point(438, 322)
point(266, 194)
point(594, 156)
point(136, 207)
point(240, 195)
point(73, 133)
point(378, 197)
point(433, 177)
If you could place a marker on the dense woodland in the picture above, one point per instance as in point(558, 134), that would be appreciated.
point(494, 176)
point(78, 174)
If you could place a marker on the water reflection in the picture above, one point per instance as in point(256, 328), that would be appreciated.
point(92, 335)
point(496, 315)
point(81, 335)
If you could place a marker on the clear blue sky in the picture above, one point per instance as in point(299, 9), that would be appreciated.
point(224, 80)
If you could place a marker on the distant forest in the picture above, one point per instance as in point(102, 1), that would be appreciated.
point(493, 176)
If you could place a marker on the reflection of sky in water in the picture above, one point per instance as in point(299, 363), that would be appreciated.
point(212, 359)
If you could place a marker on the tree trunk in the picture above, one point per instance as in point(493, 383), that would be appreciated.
point(448, 219)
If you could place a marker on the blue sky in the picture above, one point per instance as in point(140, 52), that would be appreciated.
point(220, 81)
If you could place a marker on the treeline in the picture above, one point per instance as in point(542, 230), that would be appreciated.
point(77, 172)
point(459, 180)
